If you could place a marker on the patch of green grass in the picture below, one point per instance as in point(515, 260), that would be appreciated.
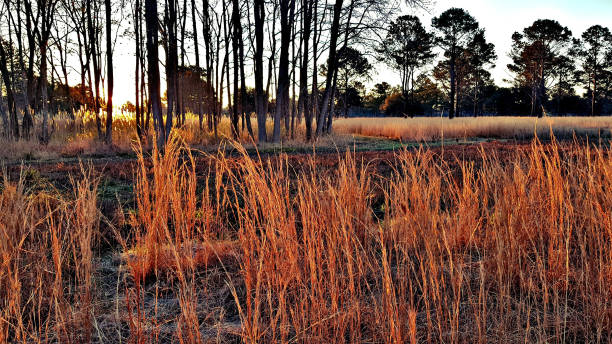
point(110, 189)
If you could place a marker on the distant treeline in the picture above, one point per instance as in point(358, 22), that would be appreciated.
point(305, 60)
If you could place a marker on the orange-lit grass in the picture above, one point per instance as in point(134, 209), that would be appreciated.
point(487, 253)
point(437, 128)
point(517, 249)
point(78, 136)
point(46, 243)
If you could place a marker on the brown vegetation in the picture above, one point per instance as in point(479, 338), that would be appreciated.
point(502, 249)
point(431, 128)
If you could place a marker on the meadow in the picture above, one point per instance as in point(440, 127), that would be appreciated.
point(77, 137)
point(432, 128)
point(426, 244)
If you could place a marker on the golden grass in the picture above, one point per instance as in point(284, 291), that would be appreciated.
point(73, 138)
point(79, 137)
point(46, 245)
point(517, 249)
point(432, 128)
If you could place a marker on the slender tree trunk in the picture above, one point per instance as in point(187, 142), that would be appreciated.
point(293, 82)
point(47, 12)
point(145, 101)
point(137, 69)
point(197, 61)
point(94, 53)
point(593, 95)
point(287, 8)
point(272, 59)
point(260, 102)
point(109, 76)
point(13, 123)
point(315, 82)
point(172, 66)
point(153, 70)
point(236, 30)
point(331, 67)
point(44, 136)
point(330, 114)
point(307, 9)
point(243, 91)
point(453, 87)
point(210, 93)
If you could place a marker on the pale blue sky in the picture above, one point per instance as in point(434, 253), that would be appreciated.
point(501, 18)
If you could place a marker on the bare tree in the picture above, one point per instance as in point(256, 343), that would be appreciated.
point(137, 37)
point(13, 123)
point(151, 21)
point(287, 12)
point(46, 9)
point(260, 101)
point(331, 62)
point(307, 12)
point(109, 74)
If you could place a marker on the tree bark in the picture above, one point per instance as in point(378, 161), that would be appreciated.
point(260, 102)
point(307, 9)
point(287, 8)
point(453, 87)
point(13, 123)
point(109, 74)
point(153, 70)
point(330, 68)
point(171, 65)
point(137, 69)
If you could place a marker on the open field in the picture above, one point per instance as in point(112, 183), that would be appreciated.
point(78, 138)
point(432, 129)
point(490, 242)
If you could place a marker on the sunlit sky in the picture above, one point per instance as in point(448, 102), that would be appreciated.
point(500, 18)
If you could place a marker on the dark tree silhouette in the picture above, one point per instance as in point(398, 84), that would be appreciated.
point(594, 52)
point(406, 48)
point(535, 54)
point(151, 22)
point(455, 29)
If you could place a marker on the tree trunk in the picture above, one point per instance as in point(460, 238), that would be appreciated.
point(287, 8)
point(94, 52)
point(593, 95)
point(172, 66)
point(153, 70)
point(44, 135)
point(307, 7)
point(453, 86)
point(243, 92)
point(137, 69)
point(272, 59)
point(236, 30)
point(314, 96)
point(210, 94)
point(13, 123)
point(330, 68)
point(197, 61)
point(260, 102)
point(109, 76)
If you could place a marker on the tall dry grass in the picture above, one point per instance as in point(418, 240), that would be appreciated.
point(502, 249)
point(517, 252)
point(432, 128)
point(46, 275)
point(77, 135)
point(439, 251)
